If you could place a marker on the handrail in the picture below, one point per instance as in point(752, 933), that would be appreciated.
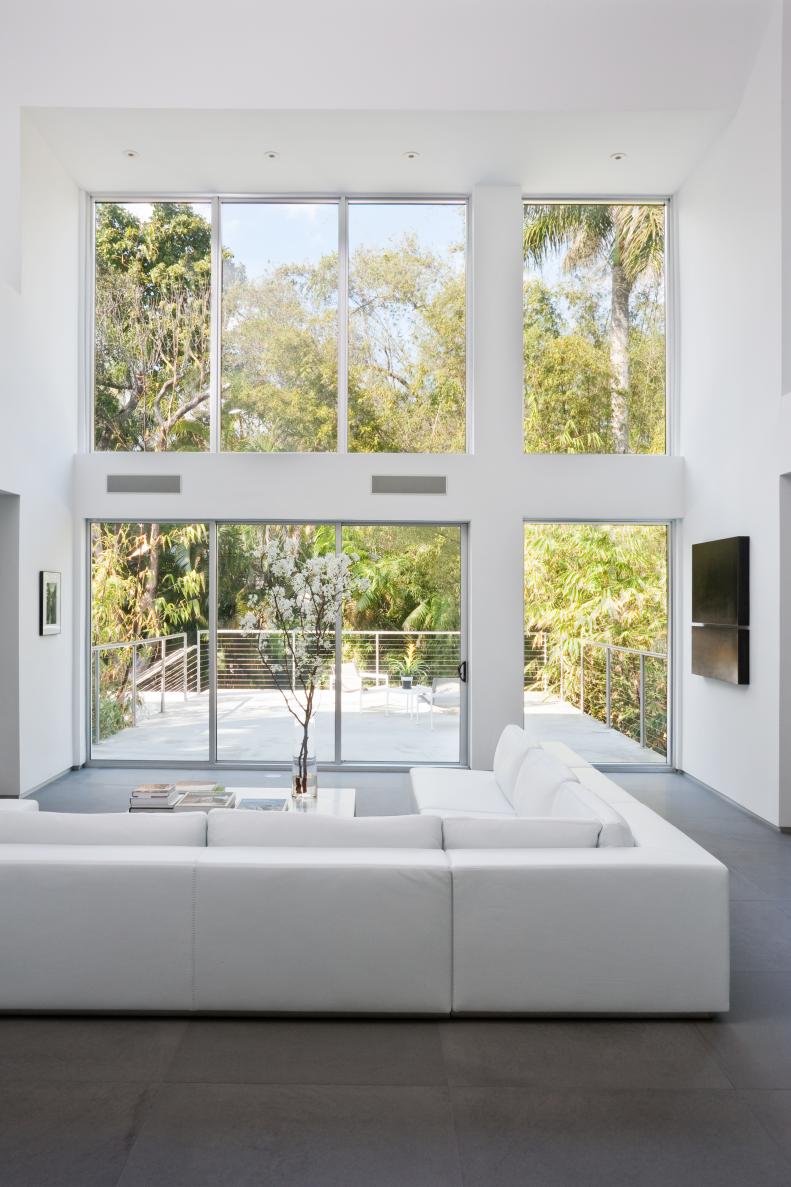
point(180, 656)
point(562, 644)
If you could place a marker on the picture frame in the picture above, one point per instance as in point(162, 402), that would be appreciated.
point(49, 602)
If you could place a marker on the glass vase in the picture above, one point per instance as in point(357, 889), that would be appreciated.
point(304, 768)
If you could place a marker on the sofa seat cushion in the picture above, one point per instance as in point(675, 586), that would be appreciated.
point(457, 790)
point(508, 758)
point(14, 805)
point(300, 829)
point(540, 776)
point(103, 828)
point(521, 832)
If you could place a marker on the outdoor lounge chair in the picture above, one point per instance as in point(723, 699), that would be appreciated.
point(445, 693)
point(353, 680)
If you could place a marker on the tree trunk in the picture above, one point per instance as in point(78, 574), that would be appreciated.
point(148, 600)
point(619, 357)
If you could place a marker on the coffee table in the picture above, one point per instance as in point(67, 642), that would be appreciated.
point(331, 801)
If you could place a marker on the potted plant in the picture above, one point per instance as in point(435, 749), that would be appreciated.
point(409, 667)
point(301, 596)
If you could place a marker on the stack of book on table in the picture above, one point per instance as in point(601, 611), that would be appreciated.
point(154, 795)
point(179, 797)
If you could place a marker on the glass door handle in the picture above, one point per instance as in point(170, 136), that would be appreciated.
point(462, 671)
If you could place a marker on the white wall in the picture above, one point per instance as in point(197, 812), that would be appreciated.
point(493, 490)
point(729, 225)
point(37, 444)
point(9, 645)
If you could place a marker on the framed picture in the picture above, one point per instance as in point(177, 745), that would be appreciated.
point(49, 603)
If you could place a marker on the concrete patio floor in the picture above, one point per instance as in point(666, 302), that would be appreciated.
point(254, 726)
point(549, 719)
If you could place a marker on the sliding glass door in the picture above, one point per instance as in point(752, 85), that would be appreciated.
point(256, 662)
point(149, 612)
point(184, 670)
point(597, 660)
point(402, 645)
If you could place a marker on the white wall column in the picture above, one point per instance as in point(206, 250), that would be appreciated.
point(496, 535)
point(9, 645)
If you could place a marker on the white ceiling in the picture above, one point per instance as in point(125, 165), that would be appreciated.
point(532, 92)
point(363, 151)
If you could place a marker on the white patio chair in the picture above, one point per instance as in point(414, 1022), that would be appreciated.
point(353, 680)
point(445, 693)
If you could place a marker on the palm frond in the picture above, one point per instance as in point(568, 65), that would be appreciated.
point(640, 231)
point(585, 230)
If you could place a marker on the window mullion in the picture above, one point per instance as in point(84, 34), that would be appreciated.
point(215, 328)
point(343, 326)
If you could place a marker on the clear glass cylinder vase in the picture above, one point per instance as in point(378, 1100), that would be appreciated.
point(304, 768)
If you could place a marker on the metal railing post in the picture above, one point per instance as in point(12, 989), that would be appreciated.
point(642, 700)
point(197, 656)
point(97, 699)
point(376, 652)
point(582, 678)
point(162, 680)
point(608, 686)
point(134, 684)
point(184, 663)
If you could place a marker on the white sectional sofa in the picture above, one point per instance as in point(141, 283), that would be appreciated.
point(591, 904)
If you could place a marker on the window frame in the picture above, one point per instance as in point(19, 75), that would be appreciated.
point(672, 568)
point(337, 763)
point(671, 303)
point(216, 200)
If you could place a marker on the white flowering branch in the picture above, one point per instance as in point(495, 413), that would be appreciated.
point(302, 597)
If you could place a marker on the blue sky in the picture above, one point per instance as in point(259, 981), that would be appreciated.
point(265, 235)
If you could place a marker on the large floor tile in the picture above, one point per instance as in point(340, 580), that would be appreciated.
point(309, 1052)
point(66, 1134)
point(547, 1055)
point(773, 1109)
point(246, 1136)
point(510, 1137)
point(97, 1049)
point(752, 1043)
point(760, 937)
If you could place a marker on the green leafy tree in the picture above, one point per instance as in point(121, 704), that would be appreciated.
point(152, 328)
point(628, 241)
point(407, 351)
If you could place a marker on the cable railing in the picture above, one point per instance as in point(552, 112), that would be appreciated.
point(130, 678)
point(624, 687)
point(380, 653)
point(133, 679)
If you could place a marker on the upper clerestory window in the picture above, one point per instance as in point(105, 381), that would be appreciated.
point(594, 327)
point(281, 325)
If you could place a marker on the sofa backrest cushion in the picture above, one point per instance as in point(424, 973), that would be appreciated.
point(103, 828)
point(508, 758)
point(234, 826)
point(517, 832)
point(538, 779)
point(14, 805)
point(575, 799)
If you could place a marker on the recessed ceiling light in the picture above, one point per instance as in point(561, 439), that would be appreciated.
point(617, 156)
point(131, 153)
point(411, 154)
point(271, 154)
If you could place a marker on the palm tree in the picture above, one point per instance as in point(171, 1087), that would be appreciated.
point(630, 239)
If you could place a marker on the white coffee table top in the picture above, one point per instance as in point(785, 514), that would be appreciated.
point(331, 801)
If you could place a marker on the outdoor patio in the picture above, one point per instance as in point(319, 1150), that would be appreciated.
point(254, 726)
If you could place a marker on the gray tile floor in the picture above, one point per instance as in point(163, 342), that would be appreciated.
point(144, 1102)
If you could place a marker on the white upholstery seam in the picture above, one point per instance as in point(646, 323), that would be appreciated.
point(194, 931)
